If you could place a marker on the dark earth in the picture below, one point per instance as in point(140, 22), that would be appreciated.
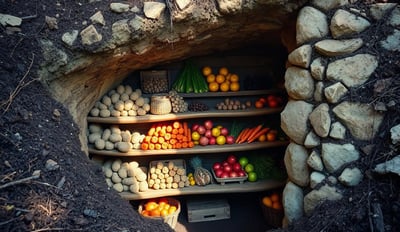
point(34, 128)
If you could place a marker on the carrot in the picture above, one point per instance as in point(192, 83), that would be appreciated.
point(169, 129)
point(179, 137)
point(167, 136)
point(157, 146)
point(246, 135)
point(185, 145)
point(258, 134)
point(241, 135)
point(254, 132)
point(164, 145)
point(185, 129)
point(151, 131)
point(147, 139)
point(169, 146)
point(189, 135)
point(178, 145)
point(151, 146)
point(161, 140)
point(172, 141)
point(175, 131)
point(191, 144)
point(181, 131)
point(154, 139)
point(144, 146)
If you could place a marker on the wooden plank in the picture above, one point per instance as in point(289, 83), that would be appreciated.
point(258, 186)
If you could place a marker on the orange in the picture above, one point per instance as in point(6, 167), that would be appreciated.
point(223, 71)
point(164, 212)
point(220, 78)
point(262, 138)
point(149, 206)
point(267, 201)
point(259, 104)
point(206, 70)
point(271, 136)
point(234, 86)
point(145, 213)
point(224, 87)
point(213, 87)
point(172, 209)
point(210, 78)
point(234, 78)
point(274, 197)
point(277, 205)
point(155, 212)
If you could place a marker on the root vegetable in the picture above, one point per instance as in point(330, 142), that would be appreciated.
point(106, 100)
point(109, 182)
point(116, 165)
point(132, 113)
point(119, 105)
point(126, 136)
point(115, 113)
point(101, 106)
point(128, 104)
point(123, 146)
point(146, 107)
point(125, 187)
point(105, 113)
point(124, 113)
point(115, 98)
point(141, 112)
point(141, 177)
point(134, 188)
point(129, 181)
point(156, 186)
point(140, 101)
point(134, 96)
point(115, 178)
point(124, 97)
point(107, 164)
point(106, 134)
point(107, 172)
point(109, 145)
point(99, 144)
point(128, 89)
point(143, 186)
point(120, 89)
point(162, 185)
point(175, 185)
point(122, 173)
point(93, 137)
point(95, 112)
point(118, 187)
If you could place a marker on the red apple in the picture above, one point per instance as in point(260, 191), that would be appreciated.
point(231, 159)
point(233, 174)
point(218, 172)
point(227, 168)
point(224, 175)
point(236, 167)
point(230, 139)
point(208, 133)
point(203, 141)
point(225, 163)
point(208, 124)
point(201, 130)
point(241, 173)
point(217, 165)
point(224, 131)
point(212, 140)
point(195, 126)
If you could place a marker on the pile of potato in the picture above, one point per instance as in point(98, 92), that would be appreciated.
point(125, 176)
point(122, 101)
point(167, 176)
point(114, 138)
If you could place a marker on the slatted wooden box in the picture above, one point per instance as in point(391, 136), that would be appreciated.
point(207, 210)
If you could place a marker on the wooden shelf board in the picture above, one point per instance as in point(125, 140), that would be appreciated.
point(195, 150)
point(260, 185)
point(186, 115)
point(231, 94)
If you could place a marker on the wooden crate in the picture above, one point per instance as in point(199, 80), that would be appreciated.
point(207, 210)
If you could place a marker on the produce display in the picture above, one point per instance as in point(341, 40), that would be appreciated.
point(234, 169)
point(198, 106)
point(272, 101)
point(207, 134)
point(257, 133)
point(223, 81)
point(161, 207)
point(273, 200)
point(167, 175)
point(230, 104)
point(121, 102)
point(201, 175)
point(114, 138)
point(125, 176)
point(190, 80)
point(168, 135)
point(177, 102)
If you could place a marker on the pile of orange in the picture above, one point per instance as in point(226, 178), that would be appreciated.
point(272, 201)
point(223, 81)
point(158, 208)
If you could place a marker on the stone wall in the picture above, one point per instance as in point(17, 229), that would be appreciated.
point(326, 126)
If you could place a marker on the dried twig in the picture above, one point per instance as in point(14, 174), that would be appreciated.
point(20, 85)
point(20, 181)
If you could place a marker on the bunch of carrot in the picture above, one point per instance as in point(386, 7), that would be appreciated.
point(173, 135)
point(251, 134)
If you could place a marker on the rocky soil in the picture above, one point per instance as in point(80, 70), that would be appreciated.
point(48, 184)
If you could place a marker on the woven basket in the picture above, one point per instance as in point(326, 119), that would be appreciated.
point(273, 216)
point(171, 219)
point(160, 104)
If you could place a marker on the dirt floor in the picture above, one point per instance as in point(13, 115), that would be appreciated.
point(35, 129)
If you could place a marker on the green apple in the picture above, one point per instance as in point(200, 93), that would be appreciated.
point(249, 168)
point(243, 161)
point(252, 176)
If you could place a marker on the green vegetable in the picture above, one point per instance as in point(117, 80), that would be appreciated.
point(190, 80)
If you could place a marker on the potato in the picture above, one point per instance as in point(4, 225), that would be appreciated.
point(139, 91)
point(132, 113)
point(93, 137)
point(115, 98)
point(106, 100)
point(109, 182)
point(107, 172)
point(95, 128)
point(95, 112)
point(115, 178)
point(118, 187)
point(119, 105)
point(146, 107)
point(134, 188)
point(107, 164)
point(116, 165)
point(124, 113)
point(140, 101)
point(126, 136)
point(115, 113)
point(123, 146)
point(141, 112)
point(134, 96)
point(102, 106)
point(120, 89)
point(99, 144)
point(122, 173)
point(126, 188)
point(106, 134)
point(115, 138)
point(143, 186)
point(128, 89)
point(128, 105)
point(105, 113)
point(111, 92)
point(124, 97)
point(109, 146)
point(129, 181)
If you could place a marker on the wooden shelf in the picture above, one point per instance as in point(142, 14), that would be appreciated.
point(187, 115)
point(195, 150)
point(231, 94)
point(260, 185)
